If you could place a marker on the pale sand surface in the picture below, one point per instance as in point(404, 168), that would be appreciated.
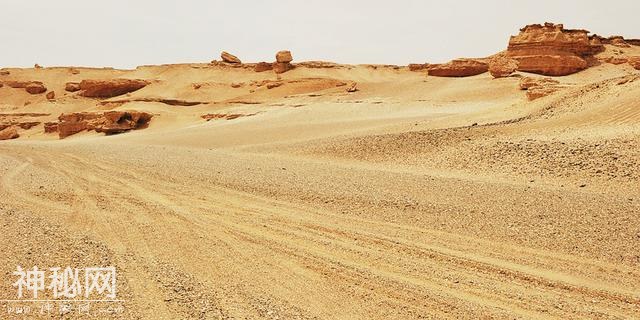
point(415, 197)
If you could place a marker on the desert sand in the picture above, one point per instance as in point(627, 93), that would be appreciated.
point(334, 191)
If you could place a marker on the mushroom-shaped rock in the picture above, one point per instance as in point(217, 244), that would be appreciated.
point(229, 58)
point(284, 56)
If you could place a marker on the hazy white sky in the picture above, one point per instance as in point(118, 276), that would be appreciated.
point(127, 33)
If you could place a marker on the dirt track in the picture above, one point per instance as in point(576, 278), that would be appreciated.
point(300, 238)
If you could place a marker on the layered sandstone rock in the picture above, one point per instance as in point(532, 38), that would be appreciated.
point(538, 87)
point(72, 86)
point(229, 58)
point(635, 62)
point(459, 68)
point(9, 133)
point(110, 122)
point(110, 88)
point(551, 50)
point(501, 67)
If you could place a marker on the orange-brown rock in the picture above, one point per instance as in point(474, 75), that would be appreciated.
point(615, 60)
point(35, 88)
point(224, 116)
point(263, 66)
point(72, 86)
point(4, 72)
point(50, 127)
point(282, 67)
point(501, 67)
point(110, 122)
point(110, 88)
point(352, 87)
point(229, 58)
point(635, 62)
point(284, 56)
point(459, 68)
point(550, 49)
point(538, 87)
point(51, 95)
point(9, 133)
point(619, 42)
point(418, 66)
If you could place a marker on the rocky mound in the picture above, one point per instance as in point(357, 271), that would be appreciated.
point(459, 68)
point(110, 88)
point(551, 50)
point(110, 122)
point(501, 66)
point(538, 87)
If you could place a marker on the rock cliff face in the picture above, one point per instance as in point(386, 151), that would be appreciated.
point(459, 68)
point(551, 50)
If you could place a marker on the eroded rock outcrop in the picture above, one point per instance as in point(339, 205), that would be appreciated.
point(72, 86)
point(110, 122)
point(36, 88)
point(635, 62)
point(418, 66)
point(263, 66)
point(501, 67)
point(110, 88)
point(229, 58)
point(9, 133)
point(283, 62)
point(551, 50)
point(538, 87)
point(32, 87)
point(459, 68)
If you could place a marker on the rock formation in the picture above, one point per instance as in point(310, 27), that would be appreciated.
point(110, 88)
point(35, 88)
point(501, 67)
point(51, 95)
point(283, 62)
point(72, 86)
point(229, 58)
point(9, 133)
point(263, 66)
point(459, 68)
point(635, 62)
point(551, 50)
point(418, 66)
point(110, 122)
point(538, 87)
point(284, 56)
